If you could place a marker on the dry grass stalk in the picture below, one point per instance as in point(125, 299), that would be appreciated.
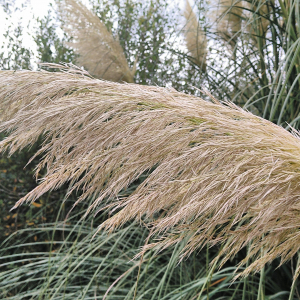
point(195, 37)
point(217, 174)
point(99, 52)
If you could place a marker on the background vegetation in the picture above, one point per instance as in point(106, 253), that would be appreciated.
point(251, 58)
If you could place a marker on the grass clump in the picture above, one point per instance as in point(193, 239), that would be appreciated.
point(228, 189)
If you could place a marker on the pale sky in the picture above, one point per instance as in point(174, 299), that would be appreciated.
point(25, 17)
point(35, 8)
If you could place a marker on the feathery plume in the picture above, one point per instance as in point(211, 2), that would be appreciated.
point(99, 52)
point(227, 17)
point(195, 37)
point(258, 17)
point(216, 173)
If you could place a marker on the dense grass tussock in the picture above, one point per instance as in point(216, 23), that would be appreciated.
point(216, 174)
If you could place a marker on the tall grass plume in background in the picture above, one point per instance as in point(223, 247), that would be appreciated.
point(195, 37)
point(98, 50)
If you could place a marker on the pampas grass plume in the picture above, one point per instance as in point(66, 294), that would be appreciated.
point(195, 37)
point(216, 173)
point(99, 52)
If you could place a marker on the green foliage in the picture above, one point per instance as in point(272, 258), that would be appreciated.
point(148, 32)
point(261, 73)
point(15, 56)
point(16, 180)
point(68, 262)
point(50, 47)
